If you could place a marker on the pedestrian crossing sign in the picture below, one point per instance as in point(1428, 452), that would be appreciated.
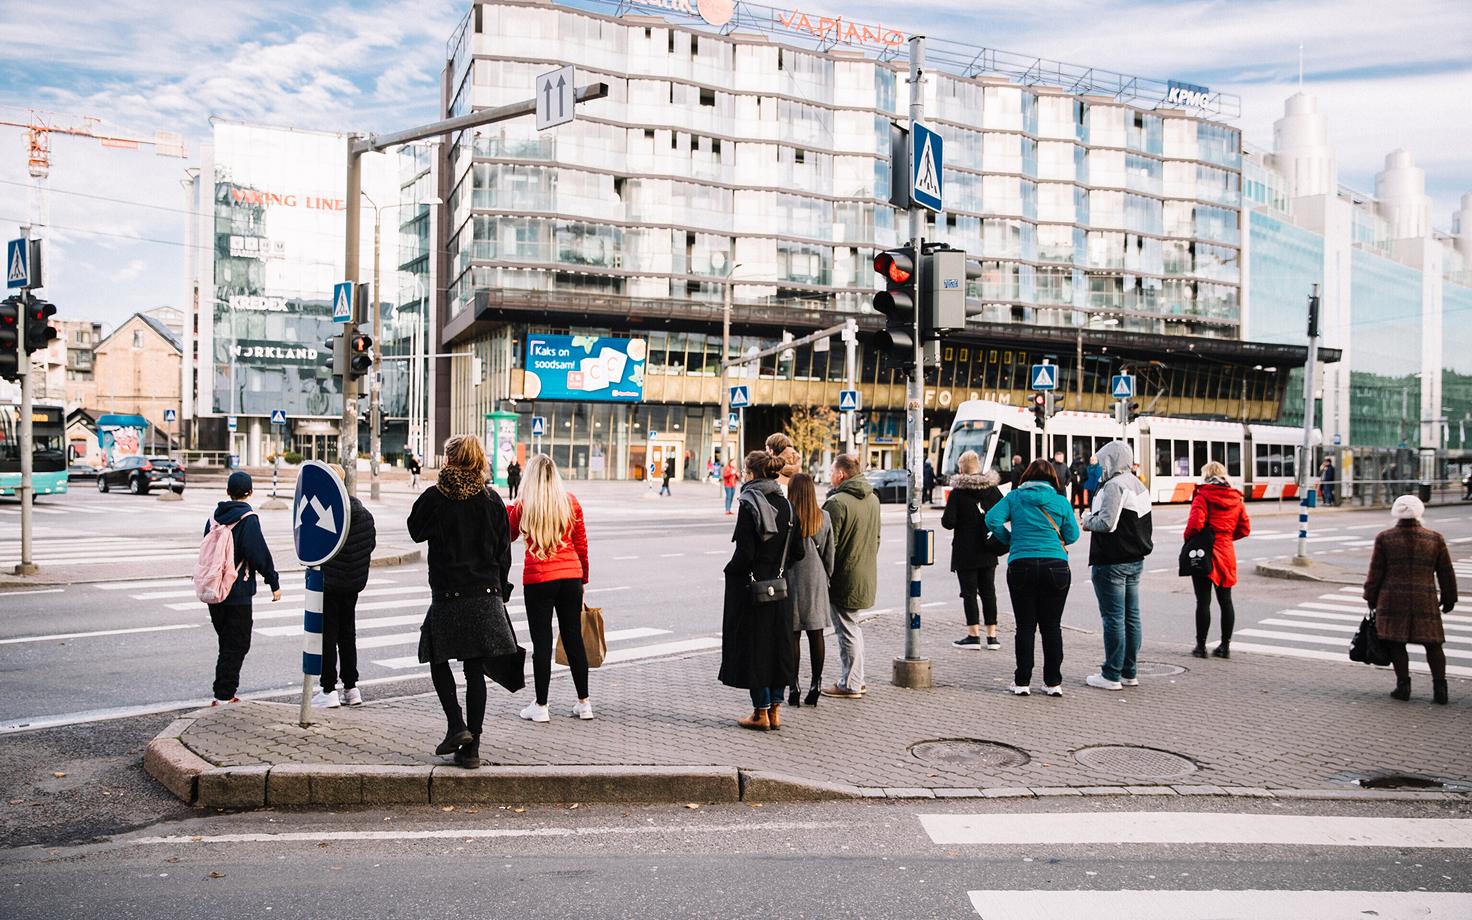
point(1122, 386)
point(926, 148)
point(1045, 376)
point(278, 416)
point(848, 400)
point(539, 425)
point(740, 397)
point(171, 416)
point(342, 302)
point(17, 263)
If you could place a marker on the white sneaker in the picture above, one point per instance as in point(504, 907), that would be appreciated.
point(535, 713)
point(1053, 691)
point(583, 711)
point(322, 700)
point(1129, 681)
point(353, 697)
point(1098, 680)
point(1019, 691)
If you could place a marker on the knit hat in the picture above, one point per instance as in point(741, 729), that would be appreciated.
point(1407, 508)
point(239, 484)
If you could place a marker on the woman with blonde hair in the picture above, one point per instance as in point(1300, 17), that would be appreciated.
point(550, 520)
point(1217, 507)
point(469, 559)
point(780, 446)
point(808, 581)
point(973, 493)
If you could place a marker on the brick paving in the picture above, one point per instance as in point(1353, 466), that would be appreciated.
point(1254, 721)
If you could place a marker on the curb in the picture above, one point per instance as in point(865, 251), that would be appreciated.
point(1317, 572)
point(407, 557)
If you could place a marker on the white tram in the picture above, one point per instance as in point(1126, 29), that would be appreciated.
point(1260, 459)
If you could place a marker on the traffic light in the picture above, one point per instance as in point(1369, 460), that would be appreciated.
point(10, 338)
point(1040, 409)
point(1131, 412)
point(1057, 399)
point(39, 331)
point(898, 302)
point(360, 354)
point(333, 359)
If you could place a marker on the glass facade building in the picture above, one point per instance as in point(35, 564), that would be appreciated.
point(1456, 368)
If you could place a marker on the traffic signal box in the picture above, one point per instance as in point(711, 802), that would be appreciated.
point(10, 345)
point(898, 303)
point(360, 354)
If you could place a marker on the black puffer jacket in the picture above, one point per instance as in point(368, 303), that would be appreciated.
point(347, 572)
point(972, 496)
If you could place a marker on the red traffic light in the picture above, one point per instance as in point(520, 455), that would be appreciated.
point(896, 265)
point(1040, 401)
point(360, 343)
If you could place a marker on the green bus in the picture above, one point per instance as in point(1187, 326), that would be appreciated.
point(48, 464)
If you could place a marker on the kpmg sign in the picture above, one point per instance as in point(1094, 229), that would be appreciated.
point(589, 368)
point(1187, 94)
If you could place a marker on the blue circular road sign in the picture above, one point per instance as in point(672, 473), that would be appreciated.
point(319, 513)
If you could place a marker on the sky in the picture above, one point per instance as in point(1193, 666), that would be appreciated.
point(1387, 76)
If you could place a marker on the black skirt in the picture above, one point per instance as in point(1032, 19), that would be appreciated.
point(473, 625)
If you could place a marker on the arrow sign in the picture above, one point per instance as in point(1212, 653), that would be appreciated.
point(848, 400)
point(1122, 386)
point(740, 397)
point(17, 264)
point(342, 302)
point(321, 519)
point(554, 94)
point(1044, 377)
point(926, 162)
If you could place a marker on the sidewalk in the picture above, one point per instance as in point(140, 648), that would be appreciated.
point(665, 732)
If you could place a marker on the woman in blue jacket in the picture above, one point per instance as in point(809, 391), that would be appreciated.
point(1038, 578)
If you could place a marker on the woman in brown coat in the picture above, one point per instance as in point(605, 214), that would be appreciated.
point(1407, 567)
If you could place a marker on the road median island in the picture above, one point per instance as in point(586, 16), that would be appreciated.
point(1257, 725)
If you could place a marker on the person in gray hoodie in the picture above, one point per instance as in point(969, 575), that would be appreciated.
point(1119, 524)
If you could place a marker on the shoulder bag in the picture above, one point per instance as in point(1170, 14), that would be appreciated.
point(1366, 645)
point(1056, 531)
point(1196, 554)
point(770, 590)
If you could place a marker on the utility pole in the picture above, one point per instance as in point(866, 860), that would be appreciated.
point(912, 670)
point(850, 373)
point(27, 565)
point(725, 375)
point(1305, 460)
point(375, 383)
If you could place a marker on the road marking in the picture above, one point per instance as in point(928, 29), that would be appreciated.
point(1362, 526)
point(138, 585)
point(480, 833)
point(1326, 640)
point(670, 555)
point(1318, 655)
point(1349, 629)
point(36, 591)
point(615, 635)
point(1212, 905)
point(1035, 829)
point(100, 632)
point(624, 558)
point(1338, 607)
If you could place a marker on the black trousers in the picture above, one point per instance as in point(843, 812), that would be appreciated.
point(232, 624)
point(475, 694)
point(564, 597)
point(1039, 590)
point(512, 485)
point(1203, 586)
point(339, 638)
point(983, 582)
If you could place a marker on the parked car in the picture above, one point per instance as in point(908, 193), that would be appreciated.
point(139, 474)
point(892, 486)
point(81, 472)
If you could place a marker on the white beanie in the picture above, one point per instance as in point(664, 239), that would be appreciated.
point(1407, 508)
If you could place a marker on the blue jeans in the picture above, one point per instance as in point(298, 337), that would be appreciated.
point(1118, 589)
point(730, 497)
point(764, 697)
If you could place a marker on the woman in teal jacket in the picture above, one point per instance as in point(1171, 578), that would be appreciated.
point(1038, 578)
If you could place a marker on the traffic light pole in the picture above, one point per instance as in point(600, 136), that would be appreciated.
point(912, 670)
point(375, 383)
point(1305, 460)
point(27, 565)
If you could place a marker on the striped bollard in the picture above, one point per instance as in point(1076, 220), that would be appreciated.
point(311, 641)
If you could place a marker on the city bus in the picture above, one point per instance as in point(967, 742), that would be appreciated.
point(1261, 460)
point(48, 463)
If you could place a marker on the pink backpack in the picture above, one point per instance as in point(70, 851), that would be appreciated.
point(215, 571)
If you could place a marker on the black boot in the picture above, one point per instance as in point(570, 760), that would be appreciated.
point(795, 697)
point(468, 755)
point(1402, 689)
point(813, 694)
point(1438, 691)
point(1200, 650)
point(1222, 651)
point(453, 740)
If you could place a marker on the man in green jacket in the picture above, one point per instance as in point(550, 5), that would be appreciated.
point(854, 510)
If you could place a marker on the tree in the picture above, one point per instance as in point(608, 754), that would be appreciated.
point(813, 429)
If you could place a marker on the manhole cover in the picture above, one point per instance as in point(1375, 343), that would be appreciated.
point(968, 754)
point(1134, 762)
point(1156, 669)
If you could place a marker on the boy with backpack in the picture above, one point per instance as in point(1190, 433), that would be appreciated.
point(233, 552)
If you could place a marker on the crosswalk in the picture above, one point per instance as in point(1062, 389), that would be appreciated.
point(100, 550)
point(1322, 628)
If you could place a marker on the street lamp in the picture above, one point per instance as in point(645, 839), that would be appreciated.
point(1078, 377)
point(725, 357)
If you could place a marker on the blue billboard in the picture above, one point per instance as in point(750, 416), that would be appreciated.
point(584, 367)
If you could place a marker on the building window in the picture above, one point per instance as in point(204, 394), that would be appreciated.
point(708, 97)
point(137, 339)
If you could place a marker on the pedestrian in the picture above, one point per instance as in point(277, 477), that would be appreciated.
point(1326, 483)
point(411, 463)
point(669, 473)
point(1467, 487)
point(756, 633)
point(973, 494)
point(1060, 473)
point(232, 617)
point(927, 481)
point(1411, 583)
point(513, 478)
point(344, 577)
point(1217, 507)
point(469, 540)
point(730, 479)
point(853, 509)
point(1038, 578)
point(1018, 467)
point(780, 445)
point(1120, 528)
point(550, 520)
point(807, 582)
point(1093, 479)
point(1078, 475)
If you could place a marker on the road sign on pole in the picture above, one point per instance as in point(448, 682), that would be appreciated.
point(539, 425)
point(171, 416)
point(848, 400)
point(319, 513)
point(342, 302)
point(278, 416)
point(555, 102)
point(232, 422)
point(1045, 376)
point(926, 159)
point(1122, 386)
point(740, 397)
point(18, 263)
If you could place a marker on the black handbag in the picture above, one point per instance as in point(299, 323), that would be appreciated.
point(1196, 553)
point(1366, 645)
point(771, 590)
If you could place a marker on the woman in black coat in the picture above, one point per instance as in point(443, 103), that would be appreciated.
point(973, 494)
point(757, 652)
point(344, 577)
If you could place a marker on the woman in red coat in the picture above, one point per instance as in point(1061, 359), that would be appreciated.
point(1217, 506)
point(1410, 585)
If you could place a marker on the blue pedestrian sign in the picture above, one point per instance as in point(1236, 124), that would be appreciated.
point(232, 422)
point(342, 302)
point(734, 421)
point(740, 397)
point(171, 416)
point(926, 160)
point(1122, 386)
point(848, 400)
point(539, 425)
point(1045, 376)
point(278, 416)
point(319, 513)
point(17, 264)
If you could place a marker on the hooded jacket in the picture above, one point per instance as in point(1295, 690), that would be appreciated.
point(1042, 522)
point(854, 509)
point(972, 496)
point(1220, 507)
point(252, 555)
point(347, 572)
point(1119, 523)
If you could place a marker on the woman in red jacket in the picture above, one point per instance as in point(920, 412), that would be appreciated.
point(1218, 507)
point(550, 520)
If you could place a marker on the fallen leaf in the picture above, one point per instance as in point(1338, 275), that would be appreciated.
point(323, 845)
point(472, 810)
point(693, 805)
point(448, 808)
point(573, 805)
point(518, 809)
point(195, 839)
point(217, 875)
point(17, 801)
point(754, 804)
point(58, 774)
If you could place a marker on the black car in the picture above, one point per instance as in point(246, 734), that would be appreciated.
point(892, 486)
point(81, 472)
point(139, 474)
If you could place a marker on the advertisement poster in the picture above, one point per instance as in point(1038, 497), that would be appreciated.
point(121, 436)
point(589, 368)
